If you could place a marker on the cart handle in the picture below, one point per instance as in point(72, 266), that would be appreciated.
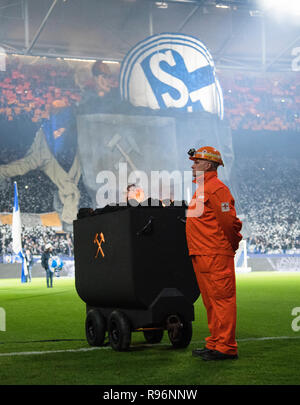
point(148, 228)
point(181, 219)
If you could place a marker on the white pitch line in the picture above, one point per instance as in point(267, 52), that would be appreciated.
point(147, 344)
point(268, 338)
point(53, 351)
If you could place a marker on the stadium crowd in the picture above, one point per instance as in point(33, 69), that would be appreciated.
point(31, 90)
point(269, 197)
point(35, 239)
point(260, 102)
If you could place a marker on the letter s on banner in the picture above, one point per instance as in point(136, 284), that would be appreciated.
point(296, 321)
point(169, 79)
point(296, 60)
point(2, 59)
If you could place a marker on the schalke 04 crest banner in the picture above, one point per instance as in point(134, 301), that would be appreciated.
point(171, 71)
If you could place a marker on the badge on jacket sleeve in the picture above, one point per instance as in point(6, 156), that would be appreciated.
point(225, 206)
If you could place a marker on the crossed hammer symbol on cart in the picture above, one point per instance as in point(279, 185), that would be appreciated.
point(96, 240)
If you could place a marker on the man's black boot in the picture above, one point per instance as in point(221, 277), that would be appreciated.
point(216, 355)
point(200, 352)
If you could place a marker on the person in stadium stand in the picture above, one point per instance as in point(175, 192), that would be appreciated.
point(103, 93)
point(45, 263)
point(213, 236)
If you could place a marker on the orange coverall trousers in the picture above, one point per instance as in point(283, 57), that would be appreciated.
point(216, 279)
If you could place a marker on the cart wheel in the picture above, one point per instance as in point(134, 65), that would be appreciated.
point(154, 336)
point(95, 327)
point(119, 331)
point(179, 331)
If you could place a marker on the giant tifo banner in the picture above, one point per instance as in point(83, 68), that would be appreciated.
point(174, 102)
point(168, 100)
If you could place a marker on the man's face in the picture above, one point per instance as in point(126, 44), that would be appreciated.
point(200, 165)
point(103, 83)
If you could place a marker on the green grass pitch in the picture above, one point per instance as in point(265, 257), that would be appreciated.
point(44, 341)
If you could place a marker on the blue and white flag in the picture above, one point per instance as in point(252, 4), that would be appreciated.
point(16, 234)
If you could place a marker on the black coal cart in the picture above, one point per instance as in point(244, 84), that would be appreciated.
point(133, 271)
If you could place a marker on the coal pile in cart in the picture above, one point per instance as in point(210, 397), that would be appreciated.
point(133, 271)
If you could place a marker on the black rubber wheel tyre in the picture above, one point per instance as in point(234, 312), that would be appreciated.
point(154, 336)
point(183, 337)
point(95, 328)
point(119, 331)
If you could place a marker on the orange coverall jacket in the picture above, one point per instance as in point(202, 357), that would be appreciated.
point(217, 229)
point(213, 236)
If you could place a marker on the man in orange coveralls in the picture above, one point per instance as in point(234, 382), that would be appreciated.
point(213, 236)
